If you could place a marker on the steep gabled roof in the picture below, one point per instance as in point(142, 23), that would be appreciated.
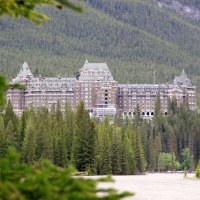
point(95, 71)
point(182, 79)
point(24, 74)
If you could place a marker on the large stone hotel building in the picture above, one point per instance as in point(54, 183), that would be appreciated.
point(101, 94)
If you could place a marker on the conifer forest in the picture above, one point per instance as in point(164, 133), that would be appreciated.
point(124, 147)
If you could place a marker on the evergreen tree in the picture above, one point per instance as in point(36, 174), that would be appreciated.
point(84, 141)
point(59, 142)
point(10, 135)
point(139, 153)
point(69, 126)
point(23, 124)
point(3, 139)
point(173, 106)
point(172, 144)
point(45, 134)
point(11, 124)
point(128, 156)
point(155, 147)
point(116, 148)
point(61, 153)
point(104, 150)
point(137, 118)
point(10, 116)
point(158, 107)
point(29, 144)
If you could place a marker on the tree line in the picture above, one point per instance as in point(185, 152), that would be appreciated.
point(124, 147)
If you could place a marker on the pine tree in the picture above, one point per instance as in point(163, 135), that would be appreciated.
point(69, 126)
point(3, 141)
point(137, 118)
point(44, 135)
point(155, 147)
point(172, 143)
point(29, 144)
point(116, 148)
point(10, 116)
point(12, 120)
point(84, 141)
point(139, 153)
point(158, 107)
point(59, 142)
point(104, 150)
point(130, 164)
point(10, 135)
point(91, 166)
point(173, 106)
point(23, 122)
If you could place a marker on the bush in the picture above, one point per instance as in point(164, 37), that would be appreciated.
point(198, 171)
point(187, 159)
point(45, 181)
point(168, 162)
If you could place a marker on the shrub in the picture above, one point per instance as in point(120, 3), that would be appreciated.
point(198, 171)
point(168, 162)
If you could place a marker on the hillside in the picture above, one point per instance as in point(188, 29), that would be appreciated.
point(135, 37)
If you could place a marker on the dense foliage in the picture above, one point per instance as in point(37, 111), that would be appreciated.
point(46, 181)
point(167, 161)
point(125, 147)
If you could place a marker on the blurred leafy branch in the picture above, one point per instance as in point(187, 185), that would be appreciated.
point(46, 181)
point(26, 8)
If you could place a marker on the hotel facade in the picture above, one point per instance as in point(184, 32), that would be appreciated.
point(101, 94)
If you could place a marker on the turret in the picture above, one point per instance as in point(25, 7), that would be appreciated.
point(24, 74)
point(182, 79)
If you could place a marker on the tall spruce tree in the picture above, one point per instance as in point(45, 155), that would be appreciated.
point(10, 116)
point(69, 128)
point(139, 153)
point(158, 107)
point(23, 124)
point(59, 144)
point(172, 143)
point(10, 135)
point(44, 135)
point(11, 120)
point(116, 148)
point(137, 120)
point(104, 149)
point(3, 140)
point(129, 162)
point(29, 144)
point(84, 141)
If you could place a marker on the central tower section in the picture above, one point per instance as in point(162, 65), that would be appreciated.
point(97, 89)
